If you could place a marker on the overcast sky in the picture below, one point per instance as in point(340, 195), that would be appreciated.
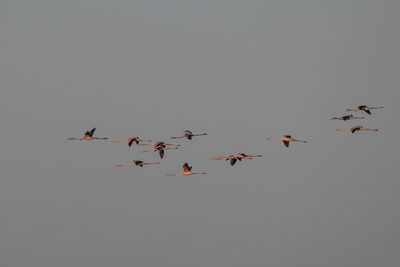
point(240, 71)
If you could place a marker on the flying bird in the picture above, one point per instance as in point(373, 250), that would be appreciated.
point(138, 163)
point(187, 134)
point(88, 136)
point(159, 143)
point(347, 117)
point(187, 170)
point(234, 158)
point(131, 140)
point(357, 128)
point(286, 139)
point(365, 108)
point(160, 147)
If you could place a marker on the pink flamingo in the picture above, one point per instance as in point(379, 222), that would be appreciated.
point(357, 128)
point(187, 134)
point(187, 170)
point(160, 147)
point(347, 117)
point(236, 157)
point(159, 143)
point(88, 136)
point(286, 139)
point(365, 108)
point(138, 163)
point(130, 140)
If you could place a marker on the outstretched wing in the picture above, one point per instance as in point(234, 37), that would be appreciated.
point(368, 111)
point(91, 132)
point(286, 143)
point(233, 161)
point(186, 167)
point(161, 152)
point(354, 129)
point(131, 142)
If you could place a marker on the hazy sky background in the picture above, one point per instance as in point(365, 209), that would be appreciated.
point(240, 71)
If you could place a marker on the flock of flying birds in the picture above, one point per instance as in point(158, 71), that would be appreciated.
point(161, 146)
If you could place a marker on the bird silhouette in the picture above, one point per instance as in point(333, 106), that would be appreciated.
point(187, 134)
point(88, 136)
point(234, 158)
point(187, 170)
point(138, 163)
point(160, 147)
point(286, 139)
point(365, 108)
point(347, 117)
point(131, 140)
point(356, 128)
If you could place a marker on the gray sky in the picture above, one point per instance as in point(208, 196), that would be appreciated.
point(240, 71)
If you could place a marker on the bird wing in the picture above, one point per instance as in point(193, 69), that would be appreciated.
point(161, 152)
point(356, 128)
point(233, 161)
point(91, 132)
point(286, 143)
point(131, 142)
point(368, 111)
point(186, 167)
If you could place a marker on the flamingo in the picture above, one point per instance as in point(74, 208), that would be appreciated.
point(158, 144)
point(187, 134)
point(187, 170)
point(286, 139)
point(88, 136)
point(364, 108)
point(160, 147)
point(357, 128)
point(138, 163)
point(236, 157)
point(347, 117)
point(130, 140)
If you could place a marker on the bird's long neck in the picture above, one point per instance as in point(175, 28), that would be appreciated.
point(199, 134)
point(366, 129)
point(340, 129)
point(375, 107)
point(100, 138)
point(126, 165)
point(178, 174)
point(177, 137)
point(151, 150)
point(150, 163)
point(274, 139)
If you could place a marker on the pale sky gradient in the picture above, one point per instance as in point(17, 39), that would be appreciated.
point(240, 71)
